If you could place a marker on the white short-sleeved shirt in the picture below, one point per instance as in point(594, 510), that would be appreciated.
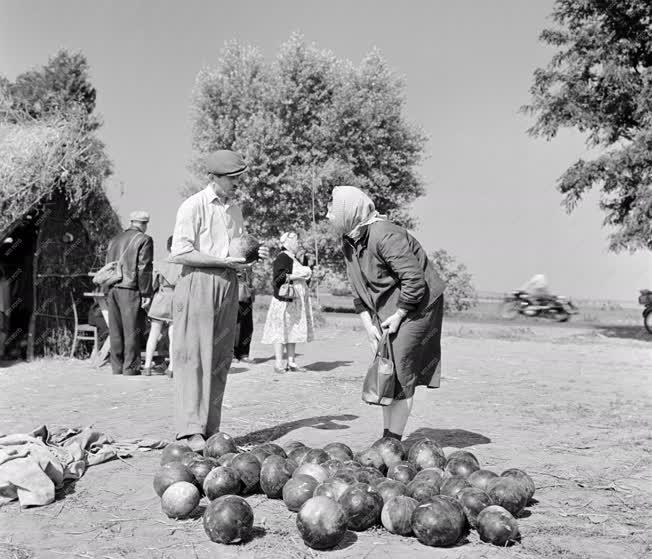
point(206, 224)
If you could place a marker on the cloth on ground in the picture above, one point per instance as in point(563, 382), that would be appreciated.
point(34, 465)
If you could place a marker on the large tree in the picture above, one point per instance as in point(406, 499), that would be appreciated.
point(304, 120)
point(600, 82)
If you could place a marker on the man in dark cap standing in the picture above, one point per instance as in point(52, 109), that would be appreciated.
point(206, 297)
point(125, 299)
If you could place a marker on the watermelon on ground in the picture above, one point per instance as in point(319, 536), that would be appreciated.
point(173, 452)
point(221, 481)
point(453, 485)
point(298, 490)
point(228, 519)
point(339, 451)
point(180, 499)
point(169, 474)
point(274, 474)
point(391, 450)
point(332, 488)
point(481, 478)
point(526, 481)
point(248, 468)
point(439, 522)
point(497, 526)
point(219, 444)
point(509, 493)
point(362, 505)
point(396, 515)
point(473, 501)
point(426, 453)
point(321, 521)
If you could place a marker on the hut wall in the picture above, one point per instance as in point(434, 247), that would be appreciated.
point(64, 256)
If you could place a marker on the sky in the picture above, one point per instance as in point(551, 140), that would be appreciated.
point(467, 66)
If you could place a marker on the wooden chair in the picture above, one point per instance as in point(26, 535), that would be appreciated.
point(83, 332)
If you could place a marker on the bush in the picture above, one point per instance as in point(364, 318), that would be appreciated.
point(58, 342)
point(460, 294)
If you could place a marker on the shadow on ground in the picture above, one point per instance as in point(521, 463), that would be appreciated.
point(458, 438)
point(327, 365)
point(324, 422)
point(626, 332)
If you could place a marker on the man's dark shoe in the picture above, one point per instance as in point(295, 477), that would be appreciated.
point(196, 442)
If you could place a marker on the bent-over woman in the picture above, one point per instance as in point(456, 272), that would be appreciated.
point(396, 290)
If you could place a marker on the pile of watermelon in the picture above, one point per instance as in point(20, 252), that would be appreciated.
point(420, 492)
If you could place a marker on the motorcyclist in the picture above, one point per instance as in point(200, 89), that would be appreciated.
point(536, 291)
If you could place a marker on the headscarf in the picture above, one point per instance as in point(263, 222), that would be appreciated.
point(352, 209)
point(284, 237)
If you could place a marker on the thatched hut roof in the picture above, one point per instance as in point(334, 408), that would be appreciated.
point(40, 159)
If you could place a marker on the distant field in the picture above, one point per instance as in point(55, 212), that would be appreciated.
point(591, 311)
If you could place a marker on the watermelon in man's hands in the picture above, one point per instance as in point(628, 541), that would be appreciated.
point(245, 247)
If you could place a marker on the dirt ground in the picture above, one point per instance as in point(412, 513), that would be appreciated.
point(570, 405)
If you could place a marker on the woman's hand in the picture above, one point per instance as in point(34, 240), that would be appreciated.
point(392, 323)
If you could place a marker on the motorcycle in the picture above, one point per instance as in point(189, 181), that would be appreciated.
point(645, 299)
point(519, 302)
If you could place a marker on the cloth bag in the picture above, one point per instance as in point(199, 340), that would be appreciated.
point(111, 273)
point(380, 382)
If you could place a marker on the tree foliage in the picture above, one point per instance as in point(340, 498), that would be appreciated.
point(600, 82)
point(460, 293)
point(51, 144)
point(308, 119)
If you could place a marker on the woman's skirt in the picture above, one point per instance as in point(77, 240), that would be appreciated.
point(162, 304)
point(417, 351)
point(290, 322)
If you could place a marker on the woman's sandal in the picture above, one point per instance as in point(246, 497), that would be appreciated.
point(280, 370)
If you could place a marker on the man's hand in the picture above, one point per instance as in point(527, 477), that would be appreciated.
point(263, 252)
point(235, 263)
point(374, 337)
point(145, 302)
point(393, 322)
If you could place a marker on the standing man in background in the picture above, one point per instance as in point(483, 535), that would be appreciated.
point(245, 322)
point(125, 299)
point(206, 297)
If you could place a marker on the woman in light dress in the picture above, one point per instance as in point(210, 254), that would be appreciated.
point(289, 318)
point(165, 276)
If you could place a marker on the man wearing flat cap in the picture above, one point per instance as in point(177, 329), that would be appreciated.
point(206, 297)
point(126, 299)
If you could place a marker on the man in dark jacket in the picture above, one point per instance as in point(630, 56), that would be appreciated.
point(134, 250)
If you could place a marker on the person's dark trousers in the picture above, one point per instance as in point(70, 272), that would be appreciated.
point(244, 330)
point(124, 330)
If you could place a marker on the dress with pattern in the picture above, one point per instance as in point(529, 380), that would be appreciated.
point(291, 322)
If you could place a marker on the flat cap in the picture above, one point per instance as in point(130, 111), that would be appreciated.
point(139, 215)
point(224, 162)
